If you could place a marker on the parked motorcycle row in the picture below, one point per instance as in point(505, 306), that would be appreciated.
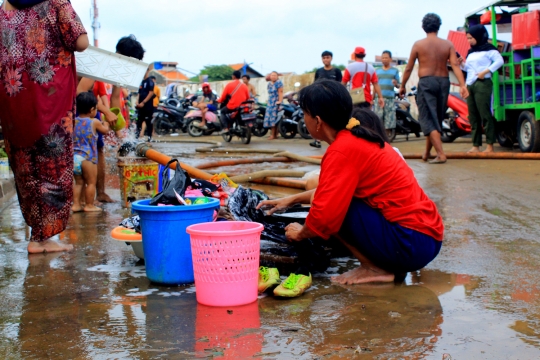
point(178, 114)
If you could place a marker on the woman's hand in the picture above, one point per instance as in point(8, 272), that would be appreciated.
point(276, 205)
point(292, 232)
point(111, 117)
point(483, 74)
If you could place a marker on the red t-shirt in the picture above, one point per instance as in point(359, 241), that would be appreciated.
point(241, 95)
point(359, 168)
point(358, 69)
point(99, 89)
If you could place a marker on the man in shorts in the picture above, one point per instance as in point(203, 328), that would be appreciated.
point(433, 54)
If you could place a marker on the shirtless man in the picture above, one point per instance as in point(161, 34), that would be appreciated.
point(433, 55)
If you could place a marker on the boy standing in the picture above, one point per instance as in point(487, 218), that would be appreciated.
point(388, 79)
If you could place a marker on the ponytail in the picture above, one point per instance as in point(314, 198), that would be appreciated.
point(369, 127)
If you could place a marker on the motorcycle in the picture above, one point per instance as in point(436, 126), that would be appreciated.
point(168, 119)
point(406, 124)
point(288, 116)
point(302, 129)
point(243, 120)
point(193, 119)
point(259, 129)
point(456, 122)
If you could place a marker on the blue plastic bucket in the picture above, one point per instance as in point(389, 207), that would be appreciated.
point(166, 245)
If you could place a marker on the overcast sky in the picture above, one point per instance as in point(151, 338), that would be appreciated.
point(273, 35)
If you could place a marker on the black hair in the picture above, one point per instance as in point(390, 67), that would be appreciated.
point(237, 74)
point(246, 76)
point(85, 102)
point(327, 53)
point(152, 77)
point(330, 101)
point(387, 52)
point(431, 23)
point(371, 127)
point(129, 46)
point(360, 56)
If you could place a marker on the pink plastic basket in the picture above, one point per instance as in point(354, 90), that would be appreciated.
point(226, 262)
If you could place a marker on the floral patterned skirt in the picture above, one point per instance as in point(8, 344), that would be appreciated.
point(44, 181)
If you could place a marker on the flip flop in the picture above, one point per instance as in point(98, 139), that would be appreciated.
point(437, 161)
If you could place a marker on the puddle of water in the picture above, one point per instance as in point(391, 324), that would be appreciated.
point(96, 303)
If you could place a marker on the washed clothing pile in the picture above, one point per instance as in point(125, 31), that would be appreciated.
point(313, 254)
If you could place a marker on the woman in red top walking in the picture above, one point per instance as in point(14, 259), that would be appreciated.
point(37, 96)
point(367, 195)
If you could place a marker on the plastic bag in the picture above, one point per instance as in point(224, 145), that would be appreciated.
point(171, 187)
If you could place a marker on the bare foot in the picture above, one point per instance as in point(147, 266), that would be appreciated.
point(363, 275)
point(76, 209)
point(489, 149)
point(47, 246)
point(439, 160)
point(104, 198)
point(272, 138)
point(474, 149)
point(92, 209)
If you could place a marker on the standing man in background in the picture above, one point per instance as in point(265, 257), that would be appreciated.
point(326, 72)
point(362, 74)
point(388, 79)
point(433, 55)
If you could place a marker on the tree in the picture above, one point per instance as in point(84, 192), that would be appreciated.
point(215, 73)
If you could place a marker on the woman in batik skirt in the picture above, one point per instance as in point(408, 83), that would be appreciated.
point(37, 91)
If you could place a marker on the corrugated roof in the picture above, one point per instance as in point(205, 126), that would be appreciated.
point(459, 39)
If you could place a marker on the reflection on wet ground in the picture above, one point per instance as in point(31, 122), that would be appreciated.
point(478, 300)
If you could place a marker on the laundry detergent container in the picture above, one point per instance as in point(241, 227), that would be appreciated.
point(226, 262)
point(166, 246)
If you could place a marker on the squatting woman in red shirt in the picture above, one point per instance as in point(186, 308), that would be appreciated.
point(367, 195)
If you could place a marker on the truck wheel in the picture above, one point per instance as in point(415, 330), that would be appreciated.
point(528, 132)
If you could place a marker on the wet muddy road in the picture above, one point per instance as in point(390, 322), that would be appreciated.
point(478, 300)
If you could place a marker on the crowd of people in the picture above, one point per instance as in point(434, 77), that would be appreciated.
point(384, 217)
